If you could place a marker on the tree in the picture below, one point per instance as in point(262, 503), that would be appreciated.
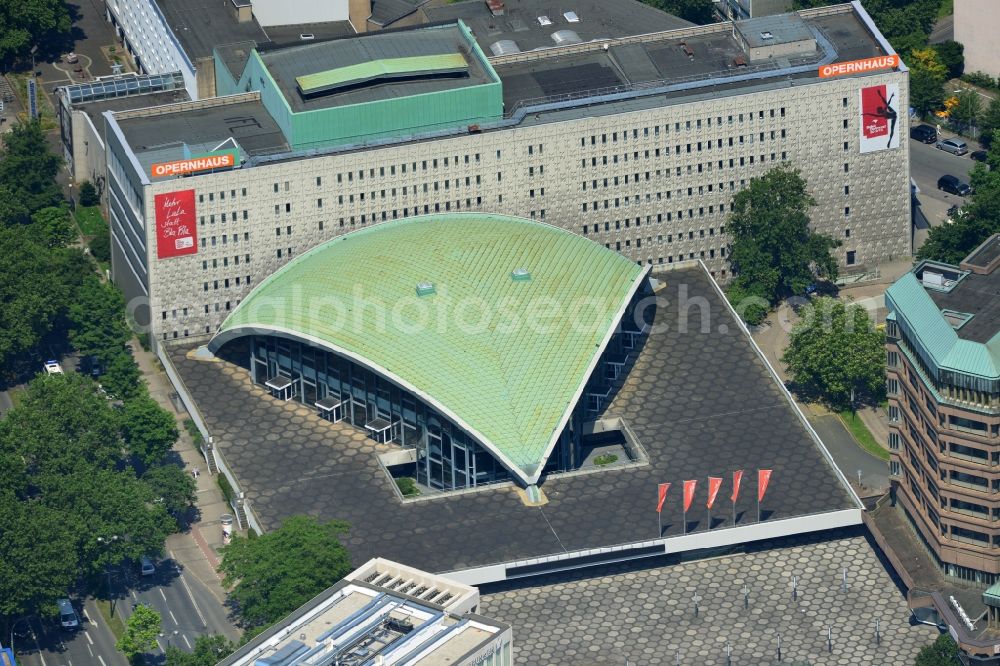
point(171, 486)
point(942, 652)
point(88, 194)
point(208, 651)
point(926, 91)
point(950, 243)
point(836, 354)
point(51, 226)
point(952, 56)
point(26, 23)
point(968, 109)
point(36, 287)
point(929, 61)
point(97, 320)
point(29, 168)
point(773, 252)
point(149, 430)
point(13, 212)
point(141, 630)
point(121, 376)
point(696, 11)
point(272, 575)
point(989, 123)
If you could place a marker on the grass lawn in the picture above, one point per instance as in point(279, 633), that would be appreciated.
point(16, 396)
point(947, 8)
point(90, 220)
point(860, 431)
point(114, 623)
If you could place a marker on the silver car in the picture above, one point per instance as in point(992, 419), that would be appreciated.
point(953, 146)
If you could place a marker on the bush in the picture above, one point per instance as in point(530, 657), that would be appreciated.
point(606, 459)
point(100, 247)
point(88, 194)
point(981, 79)
point(407, 486)
point(227, 490)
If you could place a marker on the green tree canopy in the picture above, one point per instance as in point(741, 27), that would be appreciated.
point(29, 168)
point(773, 251)
point(272, 575)
point(171, 486)
point(25, 23)
point(141, 630)
point(989, 123)
point(149, 430)
point(52, 227)
point(968, 110)
point(926, 90)
point(208, 651)
point(835, 354)
point(942, 652)
point(97, 320)
point(88, 194)
point(952, 55)
point(696, 11)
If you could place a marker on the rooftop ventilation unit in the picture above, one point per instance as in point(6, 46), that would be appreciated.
point(544, 20)
point(504, 47)
point(425, 288)
point(767, 34)
point(520, 275)
point(563, 37)
point(496, 7)
point(571, 17)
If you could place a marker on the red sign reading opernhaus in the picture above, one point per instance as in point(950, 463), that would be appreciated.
point(859, 66)
point(176, 230)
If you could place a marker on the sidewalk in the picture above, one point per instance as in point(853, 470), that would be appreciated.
point(196, 550)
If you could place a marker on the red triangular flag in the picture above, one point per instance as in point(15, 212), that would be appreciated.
point(714, 483)
point(662, 489)
point(689, 487)
point(737, 478)
point(763, 478)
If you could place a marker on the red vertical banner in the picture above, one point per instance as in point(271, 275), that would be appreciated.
point(737, 479)
point(763, 478)
point(689, 487)
point(714, 484)
point(176, 228)
point(661, 496)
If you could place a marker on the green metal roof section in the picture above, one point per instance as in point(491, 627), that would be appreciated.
point(504, 357)
point(914, 308)
point(991, 597)
point(443, 63)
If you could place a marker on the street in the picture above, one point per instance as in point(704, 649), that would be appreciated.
point(47, 644)
point(927, 164)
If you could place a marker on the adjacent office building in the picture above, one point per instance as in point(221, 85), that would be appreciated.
point(943, 337)
point(638, 143)
point(384, 613)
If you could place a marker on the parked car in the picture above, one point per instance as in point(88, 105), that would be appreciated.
point(307, 36)
point(979, 155)
point(72, 58)
point(924, 134)
point(953, 146)
point(953, 185)
point(146, 566)
point(68, 618)
point(52, 367)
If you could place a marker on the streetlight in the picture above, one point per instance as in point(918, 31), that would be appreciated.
point(107, 568)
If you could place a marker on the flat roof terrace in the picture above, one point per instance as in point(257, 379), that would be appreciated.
point(680, 63)
point(700, 401)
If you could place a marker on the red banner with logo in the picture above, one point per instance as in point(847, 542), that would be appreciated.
point(689, 487)
point(662, 492)
point(176, 228)
point(763, 478)
point(737, 479)
point(879, 118)
point(714, 484)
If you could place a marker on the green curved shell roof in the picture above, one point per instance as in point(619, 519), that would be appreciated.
point(505, 358)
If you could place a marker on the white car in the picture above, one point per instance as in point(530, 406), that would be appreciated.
point(52, 367)
point(146, 566)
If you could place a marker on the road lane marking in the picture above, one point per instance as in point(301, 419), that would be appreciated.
point(89, 639)
point(91, 651)
point(101, 660)
point(162, 594)
point(176, 623)
point(186, 641)
point(134, 595)
point(87, 617)
point(194, 603)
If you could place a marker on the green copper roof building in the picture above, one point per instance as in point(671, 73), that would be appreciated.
point(497, 322)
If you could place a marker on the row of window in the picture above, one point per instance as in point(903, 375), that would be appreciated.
point(688, 125)
point(390, 170)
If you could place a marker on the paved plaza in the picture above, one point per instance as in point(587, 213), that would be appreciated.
point(700, 401)
point(645, 614)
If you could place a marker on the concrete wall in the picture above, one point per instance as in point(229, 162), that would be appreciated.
point(291, 12)
point(659, 196)
point(977, 23)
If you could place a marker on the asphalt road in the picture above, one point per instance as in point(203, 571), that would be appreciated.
point(47, 644)
point(927, 164)
point(850, 457)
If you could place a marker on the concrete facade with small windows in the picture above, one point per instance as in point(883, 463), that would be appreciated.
point(944, 409)
point(649, 175)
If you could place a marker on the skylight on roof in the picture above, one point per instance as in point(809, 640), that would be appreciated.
point(544, 20)
point(571, 17)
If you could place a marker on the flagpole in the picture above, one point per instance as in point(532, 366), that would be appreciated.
point(659, 525)
point(734, 512)
point(709, 518)
point(685, 521)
